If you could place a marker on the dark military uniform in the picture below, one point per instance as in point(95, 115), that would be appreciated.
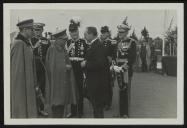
point(77, 50)
point(125, 55)
point(40, 55)
point(109, 49)
point(22, 71)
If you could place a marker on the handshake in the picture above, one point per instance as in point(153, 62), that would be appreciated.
point(119, 69)
point(116, 68)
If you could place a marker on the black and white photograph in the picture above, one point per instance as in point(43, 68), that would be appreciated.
point(102, 63)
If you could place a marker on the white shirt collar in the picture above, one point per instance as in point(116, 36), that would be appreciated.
point(93, 40)
point(73, 39)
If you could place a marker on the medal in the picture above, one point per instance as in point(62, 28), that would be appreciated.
point(72, 52)
point(82, 47)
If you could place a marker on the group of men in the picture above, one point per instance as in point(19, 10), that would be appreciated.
point(47, 76)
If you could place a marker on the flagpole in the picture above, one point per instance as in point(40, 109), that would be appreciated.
point(163, 44)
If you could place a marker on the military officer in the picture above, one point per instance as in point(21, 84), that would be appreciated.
point(76, 48)
point(125, 57)
point(22, 71)
point(40, 47)
point(96, 68)
point(143, 55)
point(109, 46)
point(60, 85)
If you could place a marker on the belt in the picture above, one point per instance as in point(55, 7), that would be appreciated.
point(76, 58)
point(121, 60)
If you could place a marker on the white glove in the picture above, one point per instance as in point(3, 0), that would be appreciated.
point(117, 69)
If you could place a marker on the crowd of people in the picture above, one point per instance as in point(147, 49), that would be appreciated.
point(146, 59)
point(47, 75)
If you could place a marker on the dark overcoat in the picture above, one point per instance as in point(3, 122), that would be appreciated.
point(96, 73)
point(60, 83)
point(22, 79)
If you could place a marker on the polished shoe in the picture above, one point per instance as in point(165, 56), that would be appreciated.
point(125, 116)
point(70, 115)
point(43, 113)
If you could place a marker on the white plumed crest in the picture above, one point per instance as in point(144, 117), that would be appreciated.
point(76, 20)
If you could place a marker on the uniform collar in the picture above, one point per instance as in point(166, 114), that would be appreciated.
point(74, 40)
point(104, 39)
point(107, 39)
point(59, 46)
point(21, 37)
point(125, 39)
point(93, 40)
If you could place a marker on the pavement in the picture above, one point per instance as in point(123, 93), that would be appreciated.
point(152, 96)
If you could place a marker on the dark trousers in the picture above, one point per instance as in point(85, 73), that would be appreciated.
point(77, 110)
point(109, 96)
point(57, 111)
point(110, 90)
point(124, 100)
point(40, 73)
point(98, 110)
point(144, 64)
point(153, 65)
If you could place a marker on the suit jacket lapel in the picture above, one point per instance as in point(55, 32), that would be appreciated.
point(89, 52)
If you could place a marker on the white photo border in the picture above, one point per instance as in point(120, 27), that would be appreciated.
point(179, 7)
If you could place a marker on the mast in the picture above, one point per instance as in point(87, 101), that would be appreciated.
point(163, 44)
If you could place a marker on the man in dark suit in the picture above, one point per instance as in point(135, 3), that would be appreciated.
point(95, 64)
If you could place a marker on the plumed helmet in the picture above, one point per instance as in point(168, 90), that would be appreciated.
point(74, 24)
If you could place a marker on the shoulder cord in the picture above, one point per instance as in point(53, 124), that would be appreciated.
point(69, 48)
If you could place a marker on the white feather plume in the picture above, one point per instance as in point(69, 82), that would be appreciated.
point(76, 20)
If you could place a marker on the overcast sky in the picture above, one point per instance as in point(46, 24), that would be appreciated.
point(152, 19)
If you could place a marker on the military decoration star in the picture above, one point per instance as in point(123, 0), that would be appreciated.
point(82, 48)
point(73, 51)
